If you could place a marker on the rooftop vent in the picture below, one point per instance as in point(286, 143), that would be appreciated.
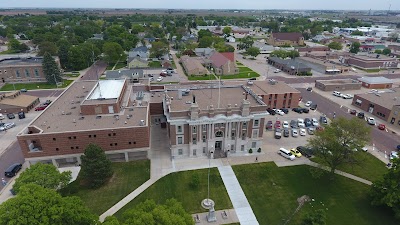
point(141, 123)
point(73, 107)
point(81, 118)
point(98, 117)
point(74, 120)
point(68, 113)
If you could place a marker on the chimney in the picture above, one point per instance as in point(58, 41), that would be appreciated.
point(245, 107)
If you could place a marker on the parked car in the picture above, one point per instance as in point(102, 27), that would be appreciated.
point(277, 124)
point(278, 133)
point(323, 120)
point(285, 124)
point(313, 106)
point(253, 78)
point(295, 133)
point(308, 103)
point(314, 122)
point(269, 125)
point(300, 123)
point(171, 70)
point(24, 90)
point(305, 110)
point(309, 89)
point(336, 93)
point(298, 110)
point(311, 130)
point(360, 115)
point(279, 112)
point(271, 111)
point(353, 112)
point(21, 115)
point(307, 122)
point(381, 126)
point(40, 108)
point(293, 124)
point(9, 125)
point(371, 121)
point(347, 96)
point(47, 102)
point(285, 153)
point(163, 74)
point(295, 152)
point(394, 155)
point(11, 116)
point(2, 117)
point(277, 71)
point(398, 147)
point(159, 79)
point(285, 110)
point(307, 152)
point(13, 170)
point(302, 132)
point(286, 133)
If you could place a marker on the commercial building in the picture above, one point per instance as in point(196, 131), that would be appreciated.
point(372, 61)
point(289, 66)
point(283, 39)
point(376, 82)
point(383, 104)
point(21, 70)
point(211, 121)
point(324, 66)
point(193, 66)
point(14, 102)
point(108, 113)
point(314, 49)
point(338, 85)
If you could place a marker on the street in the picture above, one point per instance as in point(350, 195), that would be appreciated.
point(384, 141)
point(95, 71)
point(10, 156)
point(329, 77)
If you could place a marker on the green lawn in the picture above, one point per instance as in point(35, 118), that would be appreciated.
point(33, 86)
point(119, 65)
point(155, 64)
point(244, 73)
point(239, 63)
point(273, 192)
point(372, 70)
point(369, 168)
point(176, 185)
point(127, 177)
point(204, 77)
point(71, 75)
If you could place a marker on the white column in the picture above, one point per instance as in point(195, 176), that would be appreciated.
point(54, 162)
point(126, 157)
point(78, 159)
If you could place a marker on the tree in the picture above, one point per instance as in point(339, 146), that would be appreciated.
point(95, 168)
point(44, 175)
point(227, 30)
point(378, 51)
point(335, 145)
point(316, 217)
point(204, 33)
point(37, 205)
point(149, 212)
point(386, 51)
point(112, 51)
point(127, 24)
point(355, 47)
point(111, 220)
point(386, 191)
point(246, 42)
point(47, 46)
point(357, 33)
point(335, 45)
point(50, 69)
point(279, 53)
point(293, 54)
point(253, 51)
point(17, 47)
point(158, 49)
point(205, 42)
point(63, 50)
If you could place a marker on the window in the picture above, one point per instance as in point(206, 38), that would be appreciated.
point(72, 147)
point(381, 114)
point(290, 95)
point(232, 148)
point(17, 73)
point(194, 140)
point(253, 144)
point(69, 137)
point(255, 134)
point(284, 96)
point(114, 134)
point(242, 148)
point(57, 149)
point(194, 152)
point(234, 125)
point(204, 138)
point(77, 147)
point(179, 129)
point(115, 144)
point(109, 135)
point(130, 142)
point(243, 135)
point(204, 150)
point(256, 123)
point(180, 152)
point(219, 134)
point(180, 140)
point(37, 73)
point(233, 135)
point(204, 127)
point(74, 137)
point(27, 73)
point(194, 129)
point(90, 136)
point(134, 142)
point(54, 139)
point(94, 135)
point(244, 125)
point(111, 144)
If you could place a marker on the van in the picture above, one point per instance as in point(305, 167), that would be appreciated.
point(337, 94)
point(286, 153)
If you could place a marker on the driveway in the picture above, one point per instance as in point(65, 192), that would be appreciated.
point(160, 153)
point(179, 69)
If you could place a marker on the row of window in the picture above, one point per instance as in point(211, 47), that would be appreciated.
point(90, 136)
point(111, 144)
point(218, 125)
point(27, 73)
point(284, 96)
point(255, 134)
point(242, 148)
point(381, 114)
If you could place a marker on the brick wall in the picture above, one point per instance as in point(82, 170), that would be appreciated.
point(53, 144)
point(279, 100)
point(378, 110)
point(156, 108)
point(7, 72)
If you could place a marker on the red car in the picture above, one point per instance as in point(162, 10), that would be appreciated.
point(40, 108)
point(277, 124)
point(382, 127)
point(269, 125)
point(353, 112)
point(163, 74)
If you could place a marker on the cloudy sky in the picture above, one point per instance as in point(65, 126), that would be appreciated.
point(206, 4)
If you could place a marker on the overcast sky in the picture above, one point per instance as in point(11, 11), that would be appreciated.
point(206, 4)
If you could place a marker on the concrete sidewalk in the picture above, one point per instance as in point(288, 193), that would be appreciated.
point(237, 196)
point(227, 216)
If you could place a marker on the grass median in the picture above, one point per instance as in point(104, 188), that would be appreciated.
point(34, 86)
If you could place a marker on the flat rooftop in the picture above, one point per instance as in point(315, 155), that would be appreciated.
point(21, 61)
point(372, 57)
point(209, 96)
point(276, 87)
point(385, 99)
point(106, 89)
point(376, 80)
point(338, 81)
point(325, 63)
point(63, 115)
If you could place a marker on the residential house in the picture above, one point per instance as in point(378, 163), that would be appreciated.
point(137, 63)
point(166, 63)
point(137, 57)
point(223, 63)
point(205, 52)
point(231, 39)
point(193, 66)
point(132, 75)
point(282, 39)
point(97, 37)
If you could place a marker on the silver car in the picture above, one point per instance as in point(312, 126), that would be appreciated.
point(295, 133)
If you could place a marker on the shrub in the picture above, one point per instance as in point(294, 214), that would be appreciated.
point(259, 150)
point(194, 183)
point(250, 151)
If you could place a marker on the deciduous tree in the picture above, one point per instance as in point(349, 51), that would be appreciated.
point(47, 46)
point(112, 51)
point(317, 217)
point(355, 47)
point(37, 205)
point(336, 144)
point(45, 175)
point(205, 42)
point(335, 45)
point(386, 51)
point(253, 51)
point(158, 49)
point(227, 30)
point(96, 169)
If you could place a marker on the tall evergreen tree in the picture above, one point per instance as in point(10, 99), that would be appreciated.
point(95, 168)
point(50, 69)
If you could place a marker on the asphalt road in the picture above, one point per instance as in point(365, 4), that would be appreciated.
point(11, 155)
point(296, 80)
point(95, 71)
point(384, 141)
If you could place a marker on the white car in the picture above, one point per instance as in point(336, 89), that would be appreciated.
point(300, 123)
point(277, 71)
point(347, 96)
point(279, 112)
point(371, 121)
point(295, 133)
point(394, 155)
point(308, 104)
point(302, 132)
point(314, 122)
point(159, 79)
point(2, 117)
point(285, 124)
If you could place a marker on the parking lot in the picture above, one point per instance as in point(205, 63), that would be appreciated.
point(155, 73)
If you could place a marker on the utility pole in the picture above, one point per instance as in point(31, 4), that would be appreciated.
point(55, 79)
